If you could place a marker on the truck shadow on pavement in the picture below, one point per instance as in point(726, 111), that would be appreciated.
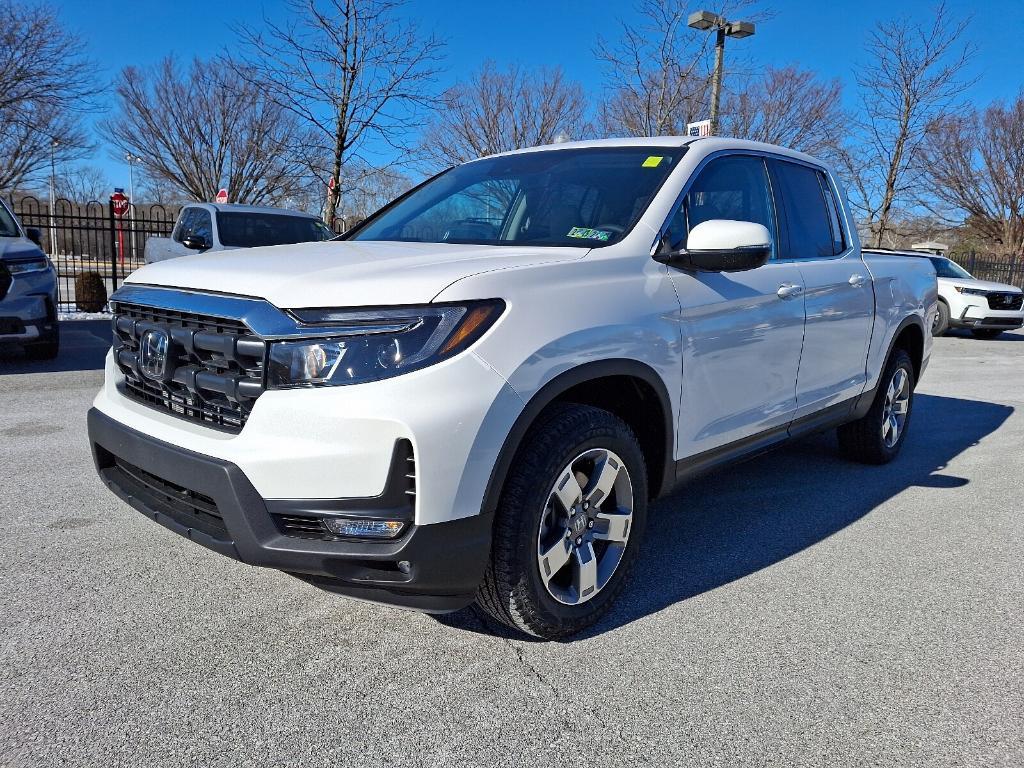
point(742, 519)
point(83, 347)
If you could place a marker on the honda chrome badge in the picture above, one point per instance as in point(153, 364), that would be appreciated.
point(153, 354)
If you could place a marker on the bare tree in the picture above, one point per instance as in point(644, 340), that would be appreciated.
point(205, 129)
point(914, 72)
point(46, 83)
point(656, 73)
point(975, 170)
point(352, 71)
point(83, 183)
point(370, 189)
point(157, 190)
point(790, 107)
point(497, 111)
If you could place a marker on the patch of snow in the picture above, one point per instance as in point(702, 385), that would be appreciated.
point(65, 316)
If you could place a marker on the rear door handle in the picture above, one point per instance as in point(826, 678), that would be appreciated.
point(857, 280)
point(790, 290)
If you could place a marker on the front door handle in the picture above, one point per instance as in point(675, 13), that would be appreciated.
point(857, 280)
point(790, 290)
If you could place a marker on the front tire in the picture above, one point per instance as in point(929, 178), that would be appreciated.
point(569, 523)
point(941, 322)
point(877, 437)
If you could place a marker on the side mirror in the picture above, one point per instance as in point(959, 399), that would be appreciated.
point(195, 242)
point(722, 245)
point(33, 234)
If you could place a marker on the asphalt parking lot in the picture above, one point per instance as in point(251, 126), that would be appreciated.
point(796, 610)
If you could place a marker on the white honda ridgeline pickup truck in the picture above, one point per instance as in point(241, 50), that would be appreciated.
point(475, 395)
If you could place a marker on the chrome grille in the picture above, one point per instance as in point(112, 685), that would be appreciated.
point(214, 369)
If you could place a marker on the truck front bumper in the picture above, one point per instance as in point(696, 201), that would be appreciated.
point(28, 312)
point(434, 567)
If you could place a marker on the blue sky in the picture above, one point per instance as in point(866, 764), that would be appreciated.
point(821, 35)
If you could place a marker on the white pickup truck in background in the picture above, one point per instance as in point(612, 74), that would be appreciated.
point(475, 394)
point(203, 227)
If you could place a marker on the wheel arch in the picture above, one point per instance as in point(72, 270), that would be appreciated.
point(617, 386)
point(909, 336)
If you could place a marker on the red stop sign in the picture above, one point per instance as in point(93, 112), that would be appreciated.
point(120, 203)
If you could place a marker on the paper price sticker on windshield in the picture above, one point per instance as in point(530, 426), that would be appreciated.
point(653, 161)
point(585, 233)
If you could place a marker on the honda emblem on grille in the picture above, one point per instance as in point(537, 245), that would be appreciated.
point(153, 354)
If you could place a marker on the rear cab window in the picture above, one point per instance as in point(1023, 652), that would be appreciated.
point(250, 229)
point(838, 236)
point(801, 201)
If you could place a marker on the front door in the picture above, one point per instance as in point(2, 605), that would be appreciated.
point(742, 331)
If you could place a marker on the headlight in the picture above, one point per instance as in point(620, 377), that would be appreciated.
point(23, 267)
point(372, 345)
point(971, 291)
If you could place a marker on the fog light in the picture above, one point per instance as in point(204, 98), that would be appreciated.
point(367, 529)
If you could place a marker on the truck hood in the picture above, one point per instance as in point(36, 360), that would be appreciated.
point(14, 248)
point(981, 285)
point(342, 273)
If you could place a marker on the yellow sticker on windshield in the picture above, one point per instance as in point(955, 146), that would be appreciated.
point(653, 161)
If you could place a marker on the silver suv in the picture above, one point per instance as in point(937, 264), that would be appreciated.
point(28, 290)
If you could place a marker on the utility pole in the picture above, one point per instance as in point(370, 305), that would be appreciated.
point(705, 20)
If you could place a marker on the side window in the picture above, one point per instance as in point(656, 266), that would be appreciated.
point(202, 225)
point(733, 187)
point(809, 230)
point(838, 239)
point(185, 223)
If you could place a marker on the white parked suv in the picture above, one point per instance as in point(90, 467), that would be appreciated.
point(986, 308)
point(474, 396)
point(207, 227)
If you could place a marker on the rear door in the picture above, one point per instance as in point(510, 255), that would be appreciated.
point(742, 331)
point(838, 294)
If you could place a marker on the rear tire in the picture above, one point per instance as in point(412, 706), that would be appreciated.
point(568, 525)
point(941, 322)
point(869, 440)
point(986, 333)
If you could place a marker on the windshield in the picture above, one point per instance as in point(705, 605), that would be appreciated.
point(7, 226)
point(578, 197)
point(249, 230)
point(947, 268)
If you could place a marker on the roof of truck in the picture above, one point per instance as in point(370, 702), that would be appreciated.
point(251, 209)
point(710, 143)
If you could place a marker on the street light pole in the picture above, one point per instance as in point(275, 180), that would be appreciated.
point(705, 20)
point(53, 197)
point(716, 78)
point(132, 159)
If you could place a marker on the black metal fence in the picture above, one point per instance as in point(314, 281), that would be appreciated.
point(89, 237)
point(1001, 269)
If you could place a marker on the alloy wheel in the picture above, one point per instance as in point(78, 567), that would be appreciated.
point(585, 526)
point(897, 404)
